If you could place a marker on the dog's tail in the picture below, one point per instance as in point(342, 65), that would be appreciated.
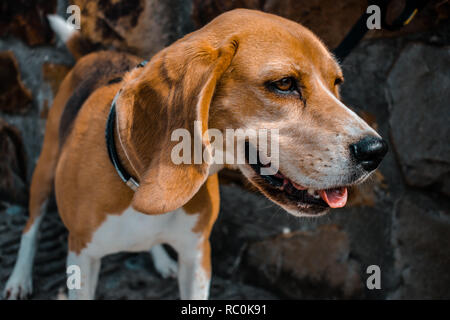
point(77, 44)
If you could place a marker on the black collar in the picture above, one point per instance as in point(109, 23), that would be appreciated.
point(129, 180)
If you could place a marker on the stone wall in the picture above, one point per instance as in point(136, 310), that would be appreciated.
point(398, 81)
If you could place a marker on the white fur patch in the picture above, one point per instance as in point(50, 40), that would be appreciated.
point(135, 231)
point(63, 29)
point(164, 264)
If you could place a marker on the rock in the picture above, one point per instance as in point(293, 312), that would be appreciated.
point(14, 96)
point(421, 231)
point(304, 265)
point(330, 20)
point(142, 27)
point(222, 289)
point(245, 217)
point(31, 123)
point(145, 284)
point(26, 19)
point(419, 115)
point(13, 182)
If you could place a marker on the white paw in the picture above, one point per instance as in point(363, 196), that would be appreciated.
point(166, 267)
point(18, 287)
point(163, 263)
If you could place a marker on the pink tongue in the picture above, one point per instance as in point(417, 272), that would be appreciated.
point(336, 198)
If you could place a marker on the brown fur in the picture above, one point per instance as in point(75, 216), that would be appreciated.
point(79, 46)
point(95, 71)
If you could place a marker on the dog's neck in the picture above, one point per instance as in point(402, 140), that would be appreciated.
point(116, 150)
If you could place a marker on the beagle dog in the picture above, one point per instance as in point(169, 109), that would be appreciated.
point(244, 70)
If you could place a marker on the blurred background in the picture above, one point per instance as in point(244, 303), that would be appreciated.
point(398, 81)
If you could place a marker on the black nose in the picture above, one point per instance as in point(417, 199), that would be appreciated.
point(369, 151)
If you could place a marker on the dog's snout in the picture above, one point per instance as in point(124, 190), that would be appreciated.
point(369, 152)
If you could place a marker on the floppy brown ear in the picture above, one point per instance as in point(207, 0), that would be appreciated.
point(173, 90)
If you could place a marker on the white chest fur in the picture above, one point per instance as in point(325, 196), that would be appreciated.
point(135, 231)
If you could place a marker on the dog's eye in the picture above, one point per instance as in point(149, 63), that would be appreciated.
point(285, 84)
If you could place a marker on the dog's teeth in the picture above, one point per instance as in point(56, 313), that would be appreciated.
point(313, 193)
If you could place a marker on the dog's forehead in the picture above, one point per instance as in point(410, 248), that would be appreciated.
point(285, 51)
point(269, 42)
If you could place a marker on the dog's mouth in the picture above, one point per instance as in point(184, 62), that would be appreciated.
point(293, 196)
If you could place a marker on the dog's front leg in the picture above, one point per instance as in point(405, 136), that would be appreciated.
point(194, 271)
point(82, 278)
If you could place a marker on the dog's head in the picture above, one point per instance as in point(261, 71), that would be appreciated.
point(253, 71)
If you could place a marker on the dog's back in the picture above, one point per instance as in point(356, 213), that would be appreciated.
point(94, 69)
point(90, 73)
